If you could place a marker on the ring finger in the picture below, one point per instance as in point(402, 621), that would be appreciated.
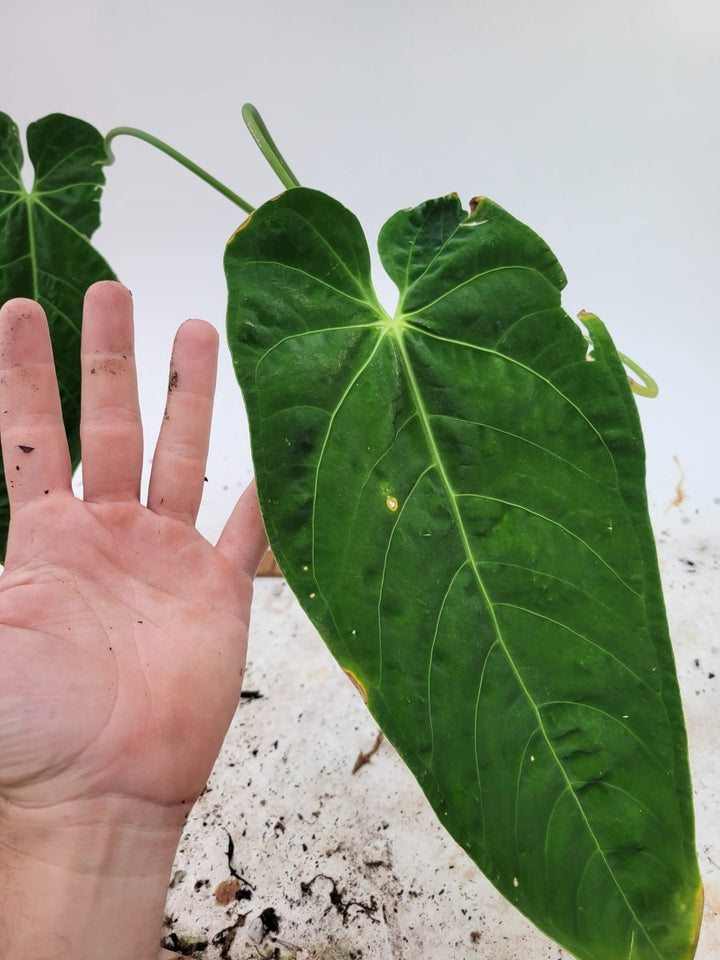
point(178, 470)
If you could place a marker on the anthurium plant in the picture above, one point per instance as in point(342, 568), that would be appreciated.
point(455, 492)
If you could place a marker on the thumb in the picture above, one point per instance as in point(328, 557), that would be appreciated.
point(243, 539)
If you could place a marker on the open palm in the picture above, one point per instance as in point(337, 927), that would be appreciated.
point(122, 630)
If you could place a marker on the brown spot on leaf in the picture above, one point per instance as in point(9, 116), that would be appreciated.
point(25, 448)
point(474, 203)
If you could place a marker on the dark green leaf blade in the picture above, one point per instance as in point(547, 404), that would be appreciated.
point(456, 496)
point(45, 250)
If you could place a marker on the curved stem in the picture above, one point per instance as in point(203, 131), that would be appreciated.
point(176, 155)
point(648, 387)
point(268, 147)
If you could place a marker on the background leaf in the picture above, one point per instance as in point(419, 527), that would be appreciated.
point(456, 496)
point(45, 251)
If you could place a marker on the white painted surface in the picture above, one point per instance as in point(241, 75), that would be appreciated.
point(284, 790)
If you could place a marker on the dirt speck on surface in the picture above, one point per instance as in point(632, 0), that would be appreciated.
point(356, 842)
point(225, 892)
point(186, 945)
point(225, 938)
point(270, 921)
point(680, 493)
point(366, 756)
point(340, 901)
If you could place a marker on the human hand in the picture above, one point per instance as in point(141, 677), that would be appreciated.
point(122, 630)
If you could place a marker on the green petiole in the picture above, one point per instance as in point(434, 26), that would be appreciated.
point(648, 387)
point(261, 135)
point(181, 159)
point(257, 128)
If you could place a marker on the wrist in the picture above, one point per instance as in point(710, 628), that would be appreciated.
point(87, 878)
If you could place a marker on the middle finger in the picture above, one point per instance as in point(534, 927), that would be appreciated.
point(110, 427)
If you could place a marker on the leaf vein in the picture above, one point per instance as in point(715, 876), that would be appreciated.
point(556, 523)
point(580, 636)
point(533, 373)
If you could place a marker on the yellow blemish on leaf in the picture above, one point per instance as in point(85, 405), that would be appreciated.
point(699, 903)
point(241, 227)
point(358, 686)
point(391, 503)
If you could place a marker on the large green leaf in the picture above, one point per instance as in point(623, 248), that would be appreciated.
point(456, 495)
point(45, 251)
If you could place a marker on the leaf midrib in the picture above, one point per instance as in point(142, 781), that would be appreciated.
point(30, 200)
point(424, 418)
point(33, 246)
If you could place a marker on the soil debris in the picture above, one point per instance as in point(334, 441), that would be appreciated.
point(336, 899)
point(225, 938)
point(680, 494)
point(233, 872)
point(228, 891)
point(365, 757)
point(185, 946)
point(270, 921)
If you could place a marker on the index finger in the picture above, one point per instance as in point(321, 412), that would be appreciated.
point(34, 444)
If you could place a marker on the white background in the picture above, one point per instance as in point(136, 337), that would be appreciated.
point(596, 123)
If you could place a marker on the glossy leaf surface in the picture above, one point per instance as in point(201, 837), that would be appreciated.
point(45, 251)
point(456, 496)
